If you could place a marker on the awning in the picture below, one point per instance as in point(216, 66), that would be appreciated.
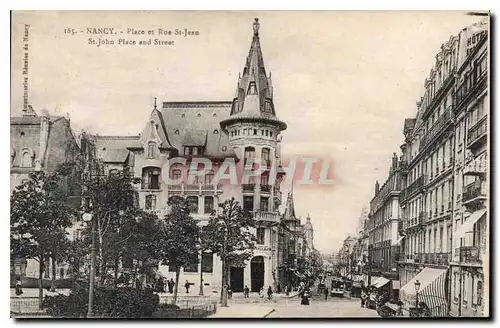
point(431, 292)
point(374, 280)
point(381, 282)
point(469, 224)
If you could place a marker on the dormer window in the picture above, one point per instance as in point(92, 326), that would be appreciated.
point(252, 89)
point(268, 107)
point(216, 131)
point(151, 149)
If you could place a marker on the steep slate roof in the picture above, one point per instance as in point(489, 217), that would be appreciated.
point(250, 106)
point(113, 149)
point(197, 123)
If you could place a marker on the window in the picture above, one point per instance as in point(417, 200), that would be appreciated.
point(456, 286)
point(207, 262)
point(261, 234)
point(151, 149)
point(177, 131)
point(254, 132)
point(209, 177)
point(176, 174)
point(249, 153)
point(192, 267)
point(264, 204)
point(127, 262)
point(252, 90)
point(479, 292)
point(264, 180)
point(267, 133)
point(216, 131)
point(193, 204)
point(265, 156)
point(209, 204)
point(248, 203)
point(268, 108)
point(150, 202)
point(150, 178)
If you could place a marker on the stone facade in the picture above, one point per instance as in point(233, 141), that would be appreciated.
point(383, 223)
point(241, 130)
point(38, 143)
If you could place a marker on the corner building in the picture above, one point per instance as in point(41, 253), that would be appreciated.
point(244, 128)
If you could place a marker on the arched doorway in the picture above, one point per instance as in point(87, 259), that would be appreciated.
point(257, 273)
point(236, 279)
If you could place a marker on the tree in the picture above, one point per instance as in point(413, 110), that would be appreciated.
point(40, 214)
point(178, 240)
point(112, 201)
point(231, 239)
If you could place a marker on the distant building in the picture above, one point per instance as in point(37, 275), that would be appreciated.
point(39, 143)
point(383, 239)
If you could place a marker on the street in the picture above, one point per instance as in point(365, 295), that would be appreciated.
point(333, 308)
point(290, 308)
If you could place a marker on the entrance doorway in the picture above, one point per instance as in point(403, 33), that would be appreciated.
point(257, 273)
point(236, 279)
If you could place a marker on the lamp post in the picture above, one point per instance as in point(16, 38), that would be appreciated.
point(417, 288)
point(87, 217)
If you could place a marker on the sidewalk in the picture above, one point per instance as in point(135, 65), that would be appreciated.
point(237, 310)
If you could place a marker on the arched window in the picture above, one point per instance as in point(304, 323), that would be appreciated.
point(151, 149)
point(151, 177)
point(252, 90)
point(249, 153)
point(176, 174)
point(193, 204)
point(27, 158)
point(209, 204)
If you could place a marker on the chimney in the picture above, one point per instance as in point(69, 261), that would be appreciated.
point(377, 187)
point(394, 161)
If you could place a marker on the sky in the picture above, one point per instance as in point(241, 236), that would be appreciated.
point(343, 82)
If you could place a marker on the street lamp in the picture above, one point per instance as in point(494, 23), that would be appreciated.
point(87, 217)
point(417, 288)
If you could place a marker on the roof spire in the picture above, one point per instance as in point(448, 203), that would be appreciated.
point(256, 26)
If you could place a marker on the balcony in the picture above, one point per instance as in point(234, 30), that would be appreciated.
point(473, 82)
point(180, 189)
point(266, 216)
point(248, 187)
point(434, 258)
point(477, 167)
point(265, 188)
point(477, 133)
point(442, 122)
point(417, 185)
point(470, 255)
point(474, 192)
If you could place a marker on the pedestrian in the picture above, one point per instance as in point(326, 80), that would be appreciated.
point(261, 292)
point(246, 291)
point(287, 290)
point(19, 287)
point(269, 293)
point(304, 298)
point(278, 288)
point(171, 285)
point(364, 297)
point(161, 285)
point(186, 285)
point(325, 291)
